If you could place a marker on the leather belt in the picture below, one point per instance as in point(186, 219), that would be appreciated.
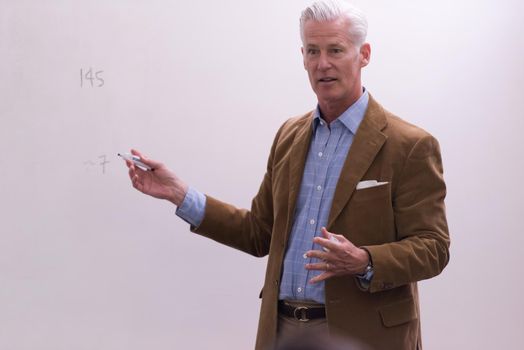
point(301, 313)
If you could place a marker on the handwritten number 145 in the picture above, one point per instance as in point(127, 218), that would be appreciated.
point(87, 77)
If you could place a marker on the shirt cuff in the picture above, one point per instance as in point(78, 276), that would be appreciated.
point(193, 207)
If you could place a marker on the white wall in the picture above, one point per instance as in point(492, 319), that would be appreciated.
point(86, 262)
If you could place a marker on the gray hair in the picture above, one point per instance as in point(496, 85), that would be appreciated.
point(329, 10)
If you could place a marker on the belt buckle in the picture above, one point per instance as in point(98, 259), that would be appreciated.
point(300, 313)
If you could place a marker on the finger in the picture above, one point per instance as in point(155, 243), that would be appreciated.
point(131, 171)
point(129, 164)
point(326, 244)
point(137, 183)
point(136, 152)
point(317, 254)
point(332, 236)
point(322, 277)
point(135, 171)
point(320, 266)
point(133, 176)
point(144, 159)
point(325, 233)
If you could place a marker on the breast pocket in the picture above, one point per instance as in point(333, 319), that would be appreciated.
point(369, 216)
point(371, 193)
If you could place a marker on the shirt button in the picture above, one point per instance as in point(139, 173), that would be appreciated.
point(321, 122)
point(320, 154)
point(319, 188)
point(304, 256)
point(299, 289)
point(312, 221)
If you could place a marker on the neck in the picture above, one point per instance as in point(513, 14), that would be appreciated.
point(331, 110)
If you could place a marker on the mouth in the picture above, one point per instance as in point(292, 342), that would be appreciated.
point(326, 80)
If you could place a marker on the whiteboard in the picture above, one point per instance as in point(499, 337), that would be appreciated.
point(86, 262)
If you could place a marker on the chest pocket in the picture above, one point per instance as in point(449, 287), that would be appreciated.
point(368, 217)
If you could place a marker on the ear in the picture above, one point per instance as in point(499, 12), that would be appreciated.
point(365, 54)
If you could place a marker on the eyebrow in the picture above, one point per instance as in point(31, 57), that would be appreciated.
point(339, 44)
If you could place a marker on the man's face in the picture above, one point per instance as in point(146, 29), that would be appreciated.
point(333, 62)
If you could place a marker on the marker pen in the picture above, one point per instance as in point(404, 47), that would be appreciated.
point(136, 161)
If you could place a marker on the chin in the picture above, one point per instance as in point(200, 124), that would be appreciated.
point(328, 98)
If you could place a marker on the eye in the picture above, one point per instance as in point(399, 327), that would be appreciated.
point(337, 50)
point(312, 51)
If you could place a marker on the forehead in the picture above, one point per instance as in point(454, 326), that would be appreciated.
point(327, 32)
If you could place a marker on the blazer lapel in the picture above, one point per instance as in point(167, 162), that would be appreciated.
point(297, 164)
point(367, 143)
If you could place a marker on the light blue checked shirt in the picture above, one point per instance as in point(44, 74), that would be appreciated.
point(327, 154)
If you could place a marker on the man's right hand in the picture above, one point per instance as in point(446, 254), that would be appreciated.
point(160, 183)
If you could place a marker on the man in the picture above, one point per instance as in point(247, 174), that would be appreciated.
point(350, 210)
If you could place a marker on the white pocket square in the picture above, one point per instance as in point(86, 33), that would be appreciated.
point(369, 183)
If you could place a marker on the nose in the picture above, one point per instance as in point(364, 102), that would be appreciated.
point(323, 61)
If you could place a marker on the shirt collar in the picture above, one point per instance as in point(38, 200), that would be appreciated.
point(352, 117)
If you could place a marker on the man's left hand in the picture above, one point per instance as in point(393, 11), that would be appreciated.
point(340, 258)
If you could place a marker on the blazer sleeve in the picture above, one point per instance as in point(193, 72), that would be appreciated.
point(422, 247)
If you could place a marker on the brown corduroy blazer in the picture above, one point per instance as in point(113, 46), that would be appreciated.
point(402, 224)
